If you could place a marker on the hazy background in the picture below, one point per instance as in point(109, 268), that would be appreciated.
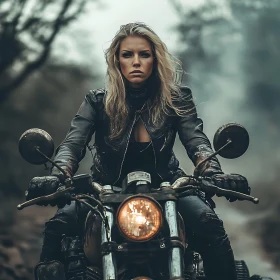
point(52, 53)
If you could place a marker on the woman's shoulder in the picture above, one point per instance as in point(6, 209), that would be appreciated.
point(184, 94)
point(183, 100)
point(95, 98)
point(185, 91)
point(96, 94)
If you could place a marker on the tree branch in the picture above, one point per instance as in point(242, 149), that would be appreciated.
point(60, 21)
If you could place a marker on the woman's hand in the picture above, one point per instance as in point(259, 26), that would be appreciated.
point(234, 182)
point(46, 185)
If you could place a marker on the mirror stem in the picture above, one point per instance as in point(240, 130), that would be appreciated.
point(214, 154)
point(57, 166)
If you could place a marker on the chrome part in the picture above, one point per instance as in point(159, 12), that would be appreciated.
point(107, 187)
point(165, 184)
point(138, 176)
point(175, 255)
point(109, 271)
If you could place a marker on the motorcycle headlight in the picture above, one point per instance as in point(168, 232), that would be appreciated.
point(139, 218)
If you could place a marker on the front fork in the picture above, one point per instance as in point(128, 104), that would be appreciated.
point(176, 267)
point(109, 267)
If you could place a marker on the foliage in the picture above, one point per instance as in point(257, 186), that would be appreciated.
point(27, 31)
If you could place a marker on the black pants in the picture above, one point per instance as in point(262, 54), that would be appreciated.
point(209, 237)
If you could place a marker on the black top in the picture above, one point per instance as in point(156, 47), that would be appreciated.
point(139, 155)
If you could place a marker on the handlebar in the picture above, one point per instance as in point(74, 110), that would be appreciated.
point(180, 185)
point(97, 188)
point(204, 184)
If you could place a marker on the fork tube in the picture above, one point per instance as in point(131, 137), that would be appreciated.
point(109, 269)
point(175, 254)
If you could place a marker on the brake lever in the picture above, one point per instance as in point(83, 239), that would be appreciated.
point(208, 187)
point(50, 197)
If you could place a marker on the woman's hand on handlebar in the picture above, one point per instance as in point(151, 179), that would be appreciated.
point(46, 185)
point(233, 182)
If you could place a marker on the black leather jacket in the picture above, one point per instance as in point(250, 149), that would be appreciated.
point(109, 157)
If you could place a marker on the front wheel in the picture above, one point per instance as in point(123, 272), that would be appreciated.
point(257, 277)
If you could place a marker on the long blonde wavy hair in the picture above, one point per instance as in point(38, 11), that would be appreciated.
point(167, 73)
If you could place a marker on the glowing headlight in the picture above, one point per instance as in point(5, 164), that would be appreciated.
point(139, 218)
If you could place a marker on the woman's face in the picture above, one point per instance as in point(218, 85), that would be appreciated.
point(136, 60)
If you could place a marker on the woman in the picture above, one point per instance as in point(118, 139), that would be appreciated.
point(135, 121)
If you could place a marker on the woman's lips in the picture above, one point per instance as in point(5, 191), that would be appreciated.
point(136, 72)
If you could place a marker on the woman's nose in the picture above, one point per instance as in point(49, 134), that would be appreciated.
point(136, 60)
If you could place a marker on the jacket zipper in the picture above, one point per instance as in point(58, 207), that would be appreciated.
point(135, 117)
point(165, 138)
point(153, 148)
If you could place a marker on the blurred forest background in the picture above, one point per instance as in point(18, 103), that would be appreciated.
point(231, 54)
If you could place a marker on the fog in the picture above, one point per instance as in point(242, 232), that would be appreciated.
point(234, 81)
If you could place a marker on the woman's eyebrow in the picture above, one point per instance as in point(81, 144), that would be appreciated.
point(132, 51)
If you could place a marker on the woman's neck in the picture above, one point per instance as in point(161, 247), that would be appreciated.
point(137, 96)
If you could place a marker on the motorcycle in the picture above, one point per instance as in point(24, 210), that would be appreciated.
point(133, 231)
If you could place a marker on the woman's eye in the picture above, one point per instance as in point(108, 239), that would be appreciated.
point(125, 55)
point(146, 55)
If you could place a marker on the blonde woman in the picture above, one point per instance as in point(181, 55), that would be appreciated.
point(135, 121)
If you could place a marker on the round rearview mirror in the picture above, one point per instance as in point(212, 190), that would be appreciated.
point(31, 141)
point(239, 140)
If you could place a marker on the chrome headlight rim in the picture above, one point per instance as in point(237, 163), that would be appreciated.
point(156, 204)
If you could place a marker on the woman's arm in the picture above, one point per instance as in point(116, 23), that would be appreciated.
point(196, 143)
point(72, 150)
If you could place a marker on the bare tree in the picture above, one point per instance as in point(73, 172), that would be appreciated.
point(27, 30)
point(193, 24)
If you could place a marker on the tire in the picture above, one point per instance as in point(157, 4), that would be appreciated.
point(242, 270)
point(257, 277)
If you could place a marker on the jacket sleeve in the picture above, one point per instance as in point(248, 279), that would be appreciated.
point(196, 143)
point(72, 150)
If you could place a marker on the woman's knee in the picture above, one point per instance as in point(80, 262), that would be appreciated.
point(210, 232)
point(209, 225)
point(67, 220)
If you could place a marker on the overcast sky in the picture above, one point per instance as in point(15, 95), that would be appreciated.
point(103, 20)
